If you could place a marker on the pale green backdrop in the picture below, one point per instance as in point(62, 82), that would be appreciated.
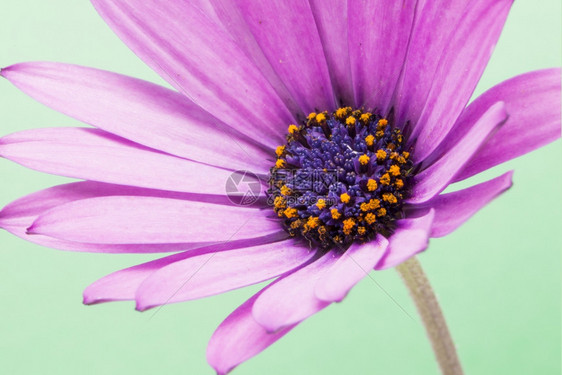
point(498, 277)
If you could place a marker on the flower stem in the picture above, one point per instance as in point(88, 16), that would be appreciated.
point(432, 316)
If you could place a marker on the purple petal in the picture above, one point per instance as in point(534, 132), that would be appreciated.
point(469, 47)
point(149, 220)
point(122, 285)
point(291, 299)
point(453, 209)
point(351, 267)
point(532, 101)
point(331, 19)
point(410, 237)
point(438, 175)
point(238, 338)
point(93, 154)
point(17, 216)
point(140, 111)
point(201, 60)
point(215, 273)
point(378, 39)
point(288, 38)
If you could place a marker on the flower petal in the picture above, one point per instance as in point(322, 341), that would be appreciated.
point(201, 60)
point(214, 273)
point(17, 216)
point(93, 154)
point(351, 267)
point(122, 285)
point(378, 39)
point(331, 19)
point(432, 180)
point(238, 338)
point(288, 37)
point(453, 209)
point(469, 48)
point(291, 299)
point(532, 101)
point(410, 237)
point(149, 220)
point(140, 111)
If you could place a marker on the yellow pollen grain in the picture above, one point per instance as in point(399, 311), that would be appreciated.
point(379, 134)
point(406, 154)
point(345, 198)
point(394, 170)
point(361, 230)
point(399, 183)
point(385, 179)
point(369, 140)
point(365, 117)
point(280, 163)
point(321, 203)
point(293, 129)
point(285, 190)
point(335, 213)
point(381, 212)
point(279, 202)
point(348, 225)
point(322, 230)
point(399, 138)
point(374, 203)
point(290, 212)
point(401, 159)
point(350, 121)
point(313, 222)
point(341, 112)
point(381, 154)
point(390, 198)
point(364, 159)
point(280, 150)
point(364, 207)
point(320, 117)
point(370, 218)
point(371, 185)
point(383, 122)
point(312, 115)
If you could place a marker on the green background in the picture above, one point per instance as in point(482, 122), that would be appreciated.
point(497, 277)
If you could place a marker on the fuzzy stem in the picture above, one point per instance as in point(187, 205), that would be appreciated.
point(432, 316)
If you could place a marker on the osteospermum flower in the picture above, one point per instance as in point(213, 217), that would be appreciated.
point(349, 117)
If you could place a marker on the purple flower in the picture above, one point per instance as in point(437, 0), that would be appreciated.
point(351, 119)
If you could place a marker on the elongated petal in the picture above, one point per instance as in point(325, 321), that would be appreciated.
point(202, 61)
point(92, 154)
point(130, 220)
point(122, 285)
point(140, 111)
point(287, 35)
point(532, 101)
point(351, 267)
point(238, 338)
point(468, 50)
point(437, 176)
point(454, 209)
point(410, 237)
point(378, 39)
point(331, 19)
point(215, 273)
point(17, 216)
point(292, 299)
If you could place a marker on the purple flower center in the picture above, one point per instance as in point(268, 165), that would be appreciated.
point(341, 178)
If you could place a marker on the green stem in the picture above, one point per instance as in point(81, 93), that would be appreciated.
point(432, 316)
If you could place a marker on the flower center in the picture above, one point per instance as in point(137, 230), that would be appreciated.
point(341, 178)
